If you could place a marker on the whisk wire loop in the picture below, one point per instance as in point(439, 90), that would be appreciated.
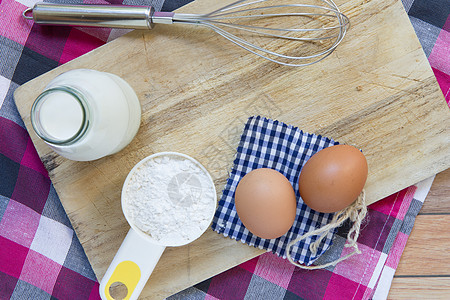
point(243, 18)
point(213, 20)
point(253, 29)
point(213, 15)
point(249, 46)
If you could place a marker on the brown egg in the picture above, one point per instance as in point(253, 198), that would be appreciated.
point(265, 202)
point(333, 178)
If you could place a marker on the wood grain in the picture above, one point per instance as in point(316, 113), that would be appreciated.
point(438, 199)
point(420, 288)
point(377, 91)
point(424, 268)
point(428, 248)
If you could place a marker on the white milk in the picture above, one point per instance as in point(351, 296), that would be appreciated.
point(61, 115)
point(86, 114)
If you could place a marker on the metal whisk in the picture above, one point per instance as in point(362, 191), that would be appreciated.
point(270, 29)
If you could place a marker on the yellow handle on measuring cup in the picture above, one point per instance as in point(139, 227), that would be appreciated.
point(127, 273)
point(132, 266)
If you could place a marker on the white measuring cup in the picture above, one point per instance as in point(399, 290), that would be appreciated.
point(139, 253)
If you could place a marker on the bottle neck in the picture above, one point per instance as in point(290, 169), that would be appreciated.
point(60, 115)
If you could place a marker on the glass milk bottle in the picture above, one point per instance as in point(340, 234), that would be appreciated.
point(86, 114)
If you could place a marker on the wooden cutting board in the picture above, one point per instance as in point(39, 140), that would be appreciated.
point(376, 91)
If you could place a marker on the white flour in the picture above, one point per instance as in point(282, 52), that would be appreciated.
point(171, 199)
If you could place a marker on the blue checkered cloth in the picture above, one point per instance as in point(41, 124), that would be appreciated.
point(272, 144)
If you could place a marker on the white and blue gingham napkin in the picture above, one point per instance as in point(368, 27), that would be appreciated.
point(267, 143)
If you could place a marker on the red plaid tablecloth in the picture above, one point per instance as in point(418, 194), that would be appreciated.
point(40, 255)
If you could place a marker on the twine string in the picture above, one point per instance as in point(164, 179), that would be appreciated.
point(355, 212)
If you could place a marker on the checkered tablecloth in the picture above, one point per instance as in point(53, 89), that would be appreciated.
point(267, 143)
point(40, 255)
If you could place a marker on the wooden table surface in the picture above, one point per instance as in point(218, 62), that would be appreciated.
point(424, 268)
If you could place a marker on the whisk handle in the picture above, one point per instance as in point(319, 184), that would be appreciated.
point(111, 16)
